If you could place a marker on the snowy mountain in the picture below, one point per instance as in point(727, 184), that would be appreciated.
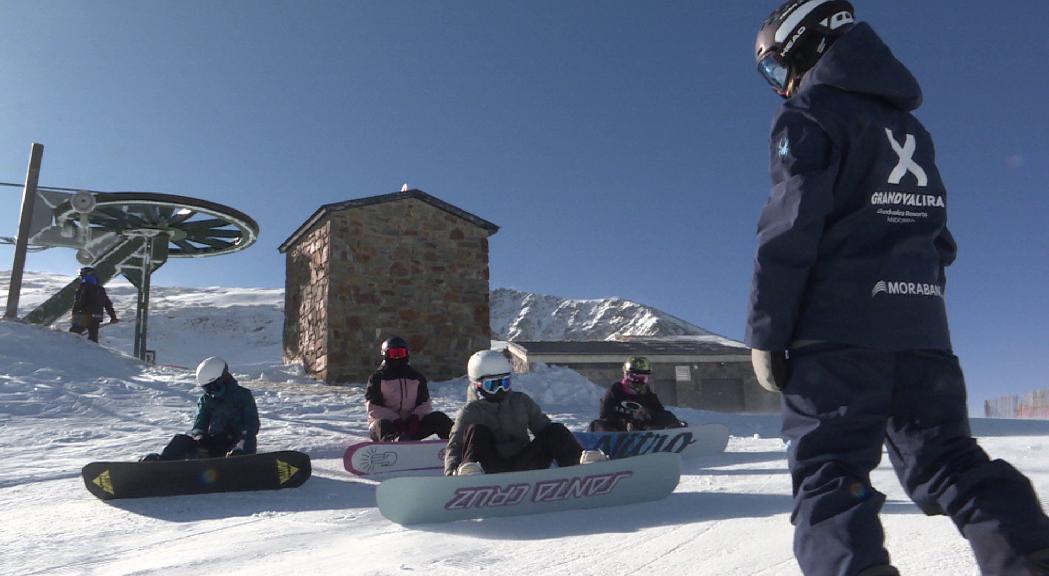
point(65, 402)
point(526, 316)
point(187, 324)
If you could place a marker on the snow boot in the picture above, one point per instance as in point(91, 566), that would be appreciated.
point(591, 456)
point(469, 469)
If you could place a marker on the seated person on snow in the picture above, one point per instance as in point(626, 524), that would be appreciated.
point(631, 405)
point(227, 420)
point(398, 400)
point(491, 431)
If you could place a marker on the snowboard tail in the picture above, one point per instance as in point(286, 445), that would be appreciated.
point(265, 471)
point(368, 458)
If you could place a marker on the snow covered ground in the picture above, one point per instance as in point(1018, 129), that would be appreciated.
point(65, 402)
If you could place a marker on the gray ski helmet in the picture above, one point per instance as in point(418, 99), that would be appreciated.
point(795, 36)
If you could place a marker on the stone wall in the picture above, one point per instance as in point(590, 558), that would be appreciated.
point(306, 285)
point(410, 269)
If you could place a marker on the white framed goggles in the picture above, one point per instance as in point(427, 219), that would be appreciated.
point(495, 383)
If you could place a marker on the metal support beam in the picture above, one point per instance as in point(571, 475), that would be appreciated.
point(14, 289)
point(142, 308)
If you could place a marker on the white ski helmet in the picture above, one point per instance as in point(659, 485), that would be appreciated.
point(210, 370)
point(487, 363)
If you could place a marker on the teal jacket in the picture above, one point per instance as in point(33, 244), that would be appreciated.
point(232, 414)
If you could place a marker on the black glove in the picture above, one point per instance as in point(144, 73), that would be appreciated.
point(770, 369)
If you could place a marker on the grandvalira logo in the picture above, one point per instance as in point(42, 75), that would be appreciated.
point(906, 289)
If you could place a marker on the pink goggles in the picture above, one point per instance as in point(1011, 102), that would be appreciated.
point(635, 378)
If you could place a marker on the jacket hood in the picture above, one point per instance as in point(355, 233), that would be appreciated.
point(860, 62)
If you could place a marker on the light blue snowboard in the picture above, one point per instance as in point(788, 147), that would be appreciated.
point(690, 442)
point(422, 500)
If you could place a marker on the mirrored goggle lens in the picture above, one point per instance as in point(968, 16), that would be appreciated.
point(773, 71)
point(493, 385)
point(397, 353)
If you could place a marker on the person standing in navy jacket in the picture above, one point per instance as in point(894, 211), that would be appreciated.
point(846, 314)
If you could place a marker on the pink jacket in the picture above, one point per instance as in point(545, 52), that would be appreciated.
point(397, 392)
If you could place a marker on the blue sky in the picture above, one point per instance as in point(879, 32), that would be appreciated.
point(621, 146)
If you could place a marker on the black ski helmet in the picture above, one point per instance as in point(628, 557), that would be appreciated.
point(795, 36)
point(87, 270)
point(394, 342)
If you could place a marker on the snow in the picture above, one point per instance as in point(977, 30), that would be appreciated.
point(65, 401)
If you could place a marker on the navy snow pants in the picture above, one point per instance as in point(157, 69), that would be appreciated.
point(840, 405)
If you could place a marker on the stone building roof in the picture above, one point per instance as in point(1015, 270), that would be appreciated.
point(327, 209)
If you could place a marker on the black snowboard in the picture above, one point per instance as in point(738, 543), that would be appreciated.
point(266, 471)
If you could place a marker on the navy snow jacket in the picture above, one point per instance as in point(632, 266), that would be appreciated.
point(853, 241)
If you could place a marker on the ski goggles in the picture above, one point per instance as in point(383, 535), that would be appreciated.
point(397, 353)
point(636, 378)
point(213, 386)
point(495, 384)
point(773, 70)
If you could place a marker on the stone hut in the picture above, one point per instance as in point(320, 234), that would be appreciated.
point(704, 372)
point(405, 264)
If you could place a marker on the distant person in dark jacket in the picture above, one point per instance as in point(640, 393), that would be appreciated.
point(630, 404)
point(89, 303)
point(227, 420)
point(847, 314)
point(398, 400)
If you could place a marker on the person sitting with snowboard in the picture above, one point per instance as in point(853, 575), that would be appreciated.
point(398, 400)
point(491, 432)
point(227, 420)
point(89, 303)
point(631, 405)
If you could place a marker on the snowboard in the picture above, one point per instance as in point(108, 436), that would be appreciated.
point(427, 499)
point(381, 457)
point(265, 471)
point(689, 442)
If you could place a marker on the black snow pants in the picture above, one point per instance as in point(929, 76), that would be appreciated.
point(840, 405)
point(553, 444)
point(185, 447)
point(391, 431)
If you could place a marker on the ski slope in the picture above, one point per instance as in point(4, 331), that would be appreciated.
point(65, 401)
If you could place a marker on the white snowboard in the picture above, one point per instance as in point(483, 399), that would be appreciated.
point(368, 458)
point(427, 499)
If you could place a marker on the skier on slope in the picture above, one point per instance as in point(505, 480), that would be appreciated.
point(849, 279)
point(491, 432)
point(89, 302)
point(227, 420)
point(630, 404)
point(398, 399)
